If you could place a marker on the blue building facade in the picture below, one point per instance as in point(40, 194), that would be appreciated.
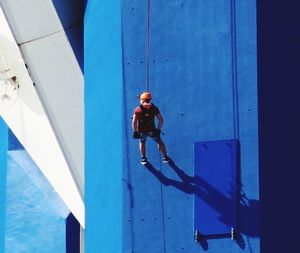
point(229, 128)
point(201, 61)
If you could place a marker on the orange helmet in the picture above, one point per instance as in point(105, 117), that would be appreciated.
point(146, 95)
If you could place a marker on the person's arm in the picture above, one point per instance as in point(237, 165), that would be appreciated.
point(134, 123)
point(160, 120)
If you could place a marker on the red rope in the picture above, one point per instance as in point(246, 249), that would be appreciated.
point(148, 49)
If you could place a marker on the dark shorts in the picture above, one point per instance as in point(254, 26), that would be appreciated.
point(151, 135)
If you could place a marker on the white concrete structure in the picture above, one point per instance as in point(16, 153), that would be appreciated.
point(43, 102)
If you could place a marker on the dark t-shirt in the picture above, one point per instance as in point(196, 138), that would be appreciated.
point(146, 118)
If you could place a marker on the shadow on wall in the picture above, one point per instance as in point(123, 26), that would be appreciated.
point(248, 209)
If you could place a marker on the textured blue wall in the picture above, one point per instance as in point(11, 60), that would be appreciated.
point(3, 165)
point(103, 126)
point(203, 78)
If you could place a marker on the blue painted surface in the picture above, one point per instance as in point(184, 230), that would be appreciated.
point(35, 215)
point(216, 187)
point(103, 126)
point(3, 166)
point(203, 79)
point(13, 142)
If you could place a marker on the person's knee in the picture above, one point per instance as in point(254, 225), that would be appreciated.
point(143, 141)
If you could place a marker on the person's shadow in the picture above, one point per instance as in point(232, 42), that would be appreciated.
point(248, 210)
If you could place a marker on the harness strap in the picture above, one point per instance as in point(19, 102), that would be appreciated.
point(147, 122)
point(147, 112)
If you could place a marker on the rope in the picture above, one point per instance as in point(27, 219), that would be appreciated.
point(148, 48)
point(234, 72)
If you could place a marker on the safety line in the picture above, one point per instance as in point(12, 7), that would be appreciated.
point(148, 47)
point(234, 72)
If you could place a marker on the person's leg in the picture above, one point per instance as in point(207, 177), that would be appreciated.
point(143, 149)
point(162, 148)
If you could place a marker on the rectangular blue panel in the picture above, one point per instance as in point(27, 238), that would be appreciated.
point(216, 171)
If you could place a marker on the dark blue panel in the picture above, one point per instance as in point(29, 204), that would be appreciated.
point(216, 199)
point(72, 235)
point(278, 88)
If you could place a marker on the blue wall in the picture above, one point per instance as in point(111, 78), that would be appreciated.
point(3, 165)
point(203, 78)
point(103, 126)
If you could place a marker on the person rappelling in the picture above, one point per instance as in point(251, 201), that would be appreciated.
point(143, 125)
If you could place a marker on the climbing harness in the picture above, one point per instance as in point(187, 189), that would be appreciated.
point(146, 122)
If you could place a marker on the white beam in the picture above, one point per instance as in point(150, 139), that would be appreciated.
point(27, 119)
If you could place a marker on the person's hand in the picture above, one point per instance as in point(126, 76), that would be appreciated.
point(136, 135)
